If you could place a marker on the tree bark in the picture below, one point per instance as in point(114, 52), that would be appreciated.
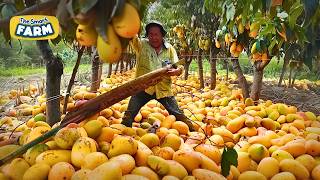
point(213, 72)
point(227, 68)
point(109, 70)
point(54, 68)
point(186, 66)
point(284, 69)
point(117, 67)
point(95, 78)
point(257, 84)
point(242, 80)
point(71, 81)
point(200, 68)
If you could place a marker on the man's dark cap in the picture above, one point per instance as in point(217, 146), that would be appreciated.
point(155, 23)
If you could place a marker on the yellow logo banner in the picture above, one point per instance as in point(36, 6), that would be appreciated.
point(34, 27)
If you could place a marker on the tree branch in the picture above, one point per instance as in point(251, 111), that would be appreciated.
point(31, 10)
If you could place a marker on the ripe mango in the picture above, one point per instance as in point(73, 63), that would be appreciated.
point(158, 164)
point(189, 159)
point(133, 177)
point(176, 169)
point(82, 147)
point(16, 169)
point(264, 140)
point(38, 171)
point(66, 137)
point(173, 141)
point(258, 152)
point(205, 174)
point(207, 163)
point(86, 35)
point(150, 140)
point(109, 52)
point(127, 24)
point(32, 153)
point(81, 174)
point(274, 115)
point(142, 154)
point(307, 161)
point(236, 124)
point(310, 116)
point(94, 159)
point(165, 152)
point(52, 157)
point(210, 151)
point(282, 109)
point(61, 170)
point(106, 171)
point(316, 173)
point(295, 148)
point(312, 147)
point(284, 175)
point(281, 155)
point(295, 167)
point(146, 172)
point(224, 133)
point(251, 175)
point(93, 128)
point(244, 161)
point(123, 145)
point(7, 149)
point(126, 162)
point(268, 167)
point(37, 132)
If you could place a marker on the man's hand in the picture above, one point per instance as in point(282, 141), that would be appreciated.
point(174, 72)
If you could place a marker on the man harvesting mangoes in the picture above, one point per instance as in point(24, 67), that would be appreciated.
point(153, 53)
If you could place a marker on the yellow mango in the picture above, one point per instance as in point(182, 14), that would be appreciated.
point(268, 124)
point(146, 172)
point(123, 145)
point(141, 156)
point(126, 162)
point(32, 153)
point(205, 174)
point(150, 140)
point(106, 171)
point(189, 159)
point(207, 163)
point(295, 148)
point(274, 115)
point(244, 161)
point(176, 169)
point(311, 116)
point(133, 177)
point(61, 170)
point(173, 141)
point(109, 52)
point(86, 35)
point(93, 128)
point(281, 155)
point(316, 173)
point(81, 174)
point(284, 175)
point(210, 151)
point(82, 147)
point(127, 24)
point(224, 133)
point(66, 137)
point(258, 152)
point(236, 124)
point(94, 159)
point(268, 167)
point(7, 149)
point(264, 140)
point(295, 167)
point(52, 157)
point(307, 161)
point(37, 132)
point(17, 169)
point(251, 175)
point(158, 164)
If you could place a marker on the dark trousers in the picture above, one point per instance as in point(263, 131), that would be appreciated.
point(141, 98)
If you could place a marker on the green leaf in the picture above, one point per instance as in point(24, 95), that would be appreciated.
point(8, 10)
point(231, 10)
point(294, 13)
point(272, 44)
point(86, 5)
point(120, 4)
point(310, 8)
point(229, 157)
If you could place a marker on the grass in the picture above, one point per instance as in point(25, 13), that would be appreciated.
point(22, 71)
point(272, 70)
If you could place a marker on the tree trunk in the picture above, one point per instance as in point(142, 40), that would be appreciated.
point(283, 70)
point(227, 67)
point(117, 67)
point(109, 70)
point(71, 81)
point(54, 68)
point(242, 80)
point(186, 66)
point(213, 72)
point(95, 78)
point(290, 76)
point(122, 62)
point(200, 68)
point(257, 84)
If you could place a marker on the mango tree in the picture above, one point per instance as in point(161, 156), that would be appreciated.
point(268, 23)
point(105, 25)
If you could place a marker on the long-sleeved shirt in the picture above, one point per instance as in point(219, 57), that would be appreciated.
point(148, 60)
